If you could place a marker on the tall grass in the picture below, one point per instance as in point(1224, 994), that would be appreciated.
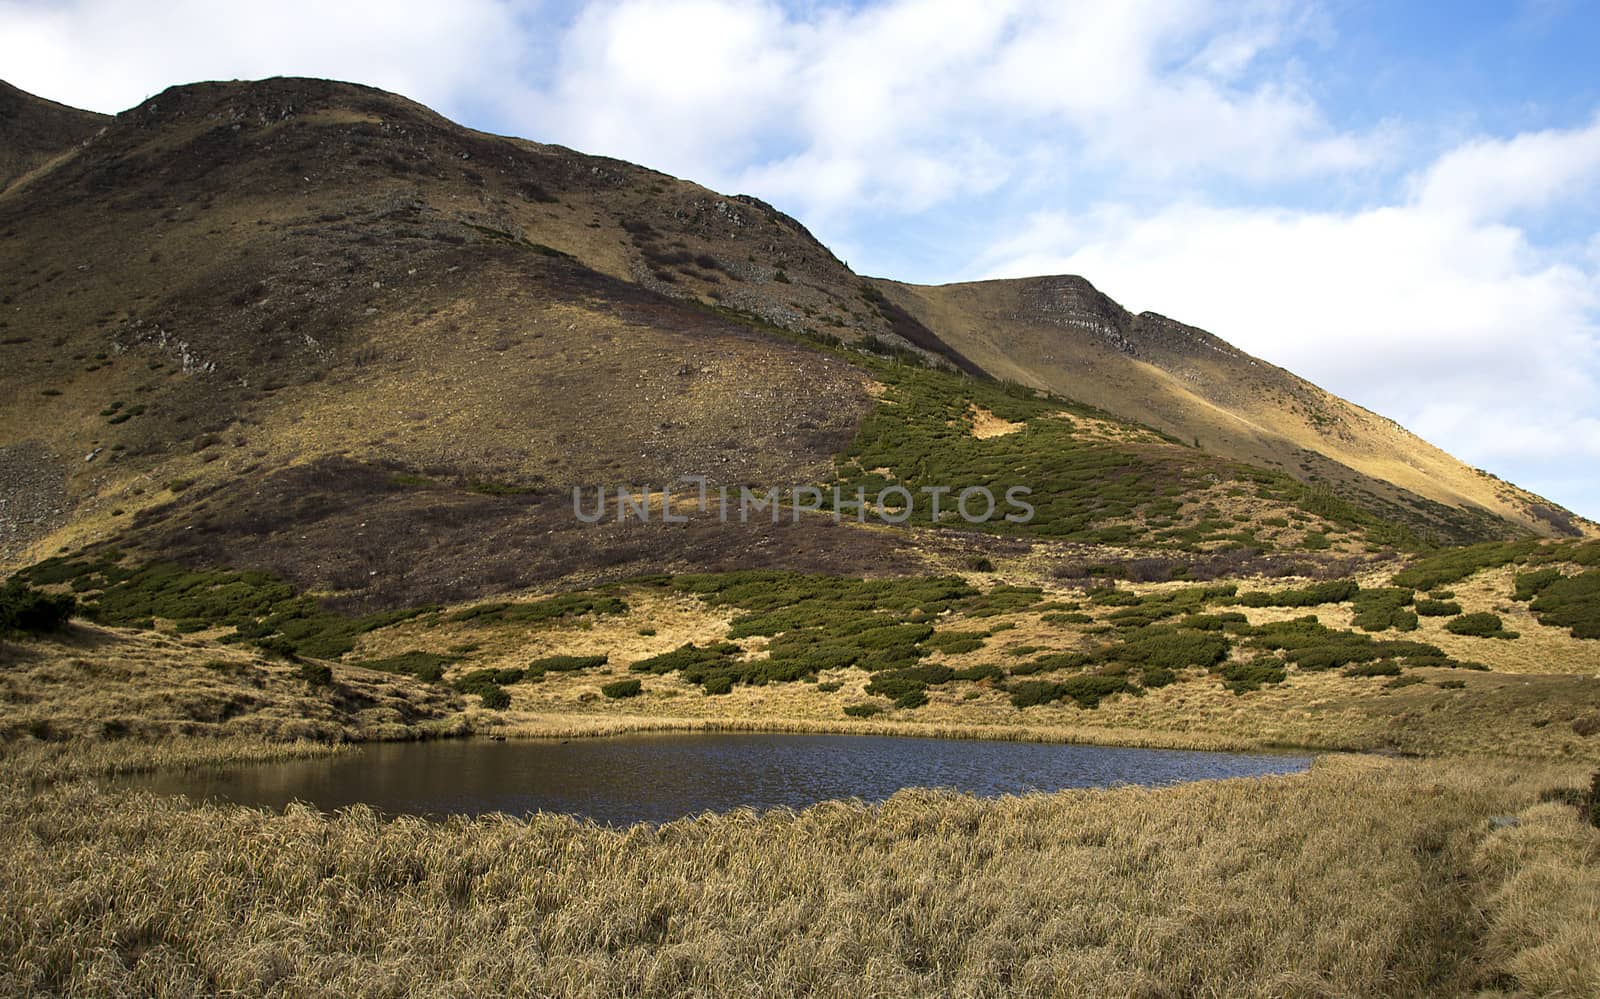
point(1359, 878)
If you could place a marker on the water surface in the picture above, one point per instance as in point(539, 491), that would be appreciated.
point(657, 778)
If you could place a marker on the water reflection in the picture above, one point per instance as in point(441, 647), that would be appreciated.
point(662, 777)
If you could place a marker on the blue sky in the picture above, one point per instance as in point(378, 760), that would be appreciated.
point(1400, 202)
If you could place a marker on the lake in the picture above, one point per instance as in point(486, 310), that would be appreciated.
point(656, 778)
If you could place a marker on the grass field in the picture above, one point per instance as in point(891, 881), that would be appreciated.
point(1362, 877)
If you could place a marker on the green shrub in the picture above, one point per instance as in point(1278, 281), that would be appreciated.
point(565, 664)
point(1384, 607)
point(1030, 692)
point(550, 610)
point(955, 642)
point(912, 698)
point(1482, 625)
point(830, 686)
point(1086, 690)
point(866, 710)
point(618, 689)
point(720, 683)
point(1438, 608)
point(986, 671)
point(1152, 677)
point(1572, 602)
point(1311, 646)
point(1380, 667)
point(1066, 618)
point(1242, 678)
point(1455, 564)
point(1333, 592)
point(1227, 620)
point(494, 698)
point(1451, 684)
point(687, 657)
point(1531, 584)
point(1172, 648)
point(25, 610)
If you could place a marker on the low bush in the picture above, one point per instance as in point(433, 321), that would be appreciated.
point(1242, 678)
point(915, 698)
point(866, 710)
point(1152, 677)
point(1481, 625)
point(494, 698)
point(25, 610)
point(1171, 648)
point(1572, 602)
point(618, 689)
point(1378, 667)
point(955, 642)
point(1332, 592)
point(1384, 607)
point(1086, 690)
point(1312, 646)
point(687, 658)
point(987, 671)
point(1531, 584)
point(1438, 608)
point(1066, 618)
point(550, 610)
point(1224, 621)
point(907, 687)
point(1054, 661)
point(1455, 564)
point(720, 683)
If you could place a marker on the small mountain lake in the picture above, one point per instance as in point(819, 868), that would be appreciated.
point(656, 778)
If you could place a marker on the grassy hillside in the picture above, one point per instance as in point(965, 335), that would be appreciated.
point(1061, 334)
point(33, 132)
point(308, 289)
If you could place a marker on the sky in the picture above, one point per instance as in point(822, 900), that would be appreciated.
point(1400, 202)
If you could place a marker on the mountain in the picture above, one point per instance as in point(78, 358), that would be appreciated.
point(315, 328)
point(1061, 334)
point(34, 131)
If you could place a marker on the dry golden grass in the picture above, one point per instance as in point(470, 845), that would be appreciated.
point(1544, 916)
point(986, 425)
point(123, 683)
point(1362, 877)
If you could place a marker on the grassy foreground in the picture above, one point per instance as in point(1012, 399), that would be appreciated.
point(1365, 876)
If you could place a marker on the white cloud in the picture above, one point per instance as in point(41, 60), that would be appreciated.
point(908, 104)
point(1493, 178)
point(108, 55)
point(1456, 324)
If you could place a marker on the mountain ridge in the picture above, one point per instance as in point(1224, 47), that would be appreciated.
point(232, 281)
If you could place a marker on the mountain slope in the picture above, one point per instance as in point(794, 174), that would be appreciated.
point(316, 328)
point(1061, 334)
point(34, 130)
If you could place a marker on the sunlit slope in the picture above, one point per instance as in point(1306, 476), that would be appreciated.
point(1060, 333)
